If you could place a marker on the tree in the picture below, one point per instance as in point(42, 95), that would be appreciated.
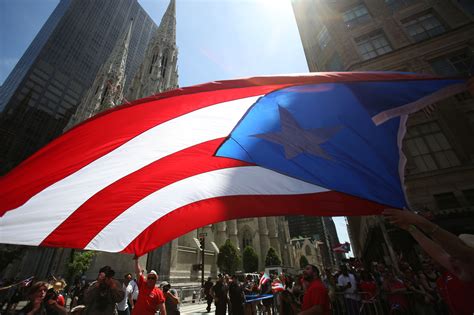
point(249, 259)
point(272, 258)
point(81, 261)
point(228, 259)
point(303, 261)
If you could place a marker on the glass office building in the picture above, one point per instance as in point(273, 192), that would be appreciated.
point(45, 87)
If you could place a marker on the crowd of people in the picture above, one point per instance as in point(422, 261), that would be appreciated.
point(104, 296)
point(352, 289)
point(442, 284)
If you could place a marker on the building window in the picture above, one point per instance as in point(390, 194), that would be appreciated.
point(323, 37)
point(458, 63)
point(423, 27)
point(355, 16)
point(446, 201)
point(246, 239)
point(396, 5)
point(334, 64)
point(429, 148)
point(373, 45)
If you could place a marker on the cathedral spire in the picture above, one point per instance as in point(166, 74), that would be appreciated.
point(168, 22)
point(107, 89)
point(158, 71)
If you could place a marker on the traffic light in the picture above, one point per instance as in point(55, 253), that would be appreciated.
point(201, 243)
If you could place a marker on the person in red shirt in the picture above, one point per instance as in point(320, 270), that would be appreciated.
point(150, 298)
point(367, 286)
point(315, 299)
point(457, 294)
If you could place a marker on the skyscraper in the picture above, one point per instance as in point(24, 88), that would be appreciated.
point(107, 89)
point(73, 50)
point(413, 36)
point(45, 87)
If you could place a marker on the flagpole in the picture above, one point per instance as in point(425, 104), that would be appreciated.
point(388, 242)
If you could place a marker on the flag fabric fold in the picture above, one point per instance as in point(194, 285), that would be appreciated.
point(137, 176)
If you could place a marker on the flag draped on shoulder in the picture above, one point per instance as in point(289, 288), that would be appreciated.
point(135, 177)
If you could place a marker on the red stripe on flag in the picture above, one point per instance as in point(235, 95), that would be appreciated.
point(89, 219)
point(81, 146)
point(198, 214)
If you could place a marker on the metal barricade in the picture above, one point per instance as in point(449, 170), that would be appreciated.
point(191, 294)
point(403, 303)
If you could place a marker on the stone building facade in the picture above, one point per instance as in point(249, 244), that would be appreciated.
point(177, 261)
point(422, 36)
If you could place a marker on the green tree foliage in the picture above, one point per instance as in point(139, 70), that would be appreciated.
point(249, 259)
point(81, 261)
point(228, 259)
point(303, 261)
point(272, 258)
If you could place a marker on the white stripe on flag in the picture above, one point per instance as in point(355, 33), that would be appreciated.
point(245, 180)
point(68, 194)
point(415, 106)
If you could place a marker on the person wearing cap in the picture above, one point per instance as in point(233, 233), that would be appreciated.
point(103, 294)
point(150, 298)
point(171, 299)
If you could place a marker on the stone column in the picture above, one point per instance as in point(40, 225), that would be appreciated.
point(232, 233)
point(273, 234)
point(220, 233)
point(264, 241)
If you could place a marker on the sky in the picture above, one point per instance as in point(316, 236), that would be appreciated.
point(217, 40)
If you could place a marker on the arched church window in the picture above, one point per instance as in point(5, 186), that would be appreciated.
point(153, 59)
point(246, 239)
point(102, 98)
point(164, 62)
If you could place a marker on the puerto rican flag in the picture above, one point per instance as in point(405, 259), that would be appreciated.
point(134, 178)
point(277, 286)
point(342, 248)
point(264, 278)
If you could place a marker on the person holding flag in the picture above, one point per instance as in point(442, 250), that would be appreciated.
point(265, 286)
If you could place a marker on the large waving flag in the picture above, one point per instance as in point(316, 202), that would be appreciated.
point(142, 174)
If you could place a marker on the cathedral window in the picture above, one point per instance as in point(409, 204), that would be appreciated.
point(102, 98)
point(164, 61)
point(246, 239)
point(153, 60)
